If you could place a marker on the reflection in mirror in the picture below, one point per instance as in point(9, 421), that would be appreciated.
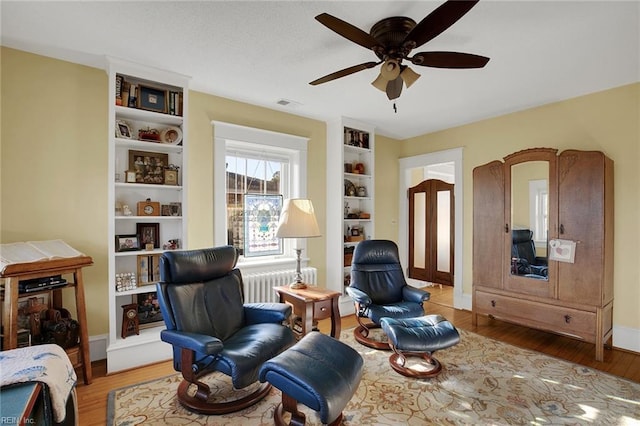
point(529, 219)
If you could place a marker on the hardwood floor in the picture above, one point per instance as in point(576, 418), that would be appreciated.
point(92, 399)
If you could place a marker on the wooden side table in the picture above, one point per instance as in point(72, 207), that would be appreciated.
point(312, 303)
point(14, 273)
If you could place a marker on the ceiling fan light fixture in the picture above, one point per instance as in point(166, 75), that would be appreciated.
point(390, 69)
point(380, 83)
point(409, 76)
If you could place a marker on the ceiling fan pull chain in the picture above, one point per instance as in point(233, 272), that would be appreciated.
point(394, 108)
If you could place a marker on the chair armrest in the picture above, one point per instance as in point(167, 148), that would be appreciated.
point(359, 296)
point(258, 313)
point(413, 294)
point(541, 261)
point(201, 343)
point(520, 267)
point(540, 270)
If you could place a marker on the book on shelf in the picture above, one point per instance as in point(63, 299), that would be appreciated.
point(35, 251)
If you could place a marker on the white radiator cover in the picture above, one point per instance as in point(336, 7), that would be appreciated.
point(258, 287)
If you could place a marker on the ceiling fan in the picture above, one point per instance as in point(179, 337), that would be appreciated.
point(393, 39)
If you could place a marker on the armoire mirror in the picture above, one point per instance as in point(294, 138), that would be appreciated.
point(529, 197)
point(529, 219)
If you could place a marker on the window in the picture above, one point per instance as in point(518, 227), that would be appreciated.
point(256, 170)
point(538, 211)
point(255, 188)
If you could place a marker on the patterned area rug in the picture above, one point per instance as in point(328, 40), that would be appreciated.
point(483, 381)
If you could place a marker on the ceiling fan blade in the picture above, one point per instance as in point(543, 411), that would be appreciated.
point(394, 88)
point(343, 73)
point(439, 20)
point(449, 60)
point(347, 30)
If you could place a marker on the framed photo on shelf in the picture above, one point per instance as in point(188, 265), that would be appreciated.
point(152, 99)
point(128, 242)
point(148, 235)
point(149, 313)
point(176, 209)
point(148, 166)
point(123, 130)
point(170, 177)
point(130, 177)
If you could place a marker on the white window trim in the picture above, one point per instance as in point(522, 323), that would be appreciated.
point(228, 134)
point(536, 190)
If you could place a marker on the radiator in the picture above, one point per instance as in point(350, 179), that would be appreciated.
point(258, 287)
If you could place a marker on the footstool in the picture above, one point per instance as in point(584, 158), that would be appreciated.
point(319, 372)
point(420, 337)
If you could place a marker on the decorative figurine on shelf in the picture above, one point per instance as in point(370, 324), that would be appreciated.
point(148, 134)
point(126, 210)
point(171, 245)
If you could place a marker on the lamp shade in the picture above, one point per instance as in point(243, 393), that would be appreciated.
point(297, 220)
point(409, 76)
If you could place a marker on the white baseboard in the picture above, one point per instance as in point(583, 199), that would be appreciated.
point(626, 338)
point(98, 347)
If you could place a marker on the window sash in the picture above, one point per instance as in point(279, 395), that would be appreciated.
point(230, 138)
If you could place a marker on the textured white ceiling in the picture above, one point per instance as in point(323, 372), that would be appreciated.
point(263, 51)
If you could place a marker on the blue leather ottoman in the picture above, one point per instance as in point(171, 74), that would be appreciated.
point(319, 372)
point(420, 337)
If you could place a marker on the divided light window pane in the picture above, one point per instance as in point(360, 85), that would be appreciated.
point(252, 173)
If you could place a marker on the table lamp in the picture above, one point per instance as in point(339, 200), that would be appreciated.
point(297, 220)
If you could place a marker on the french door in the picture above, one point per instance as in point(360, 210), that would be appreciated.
point(431, 232)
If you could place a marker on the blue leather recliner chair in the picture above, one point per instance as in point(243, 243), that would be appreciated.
point(212, 329)
point(379, 289)
point(524, 260)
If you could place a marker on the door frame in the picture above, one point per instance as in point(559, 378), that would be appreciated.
point(460, 300)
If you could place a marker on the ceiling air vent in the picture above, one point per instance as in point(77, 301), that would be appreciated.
point(288, 103)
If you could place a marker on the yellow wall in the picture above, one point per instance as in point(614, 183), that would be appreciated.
point(54, 162)
point(386, 187)
point(607, 121)
point(53, 159)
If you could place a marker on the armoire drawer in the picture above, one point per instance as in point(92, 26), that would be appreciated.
point(539, 315)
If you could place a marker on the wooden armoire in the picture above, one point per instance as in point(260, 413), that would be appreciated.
point(576, 296)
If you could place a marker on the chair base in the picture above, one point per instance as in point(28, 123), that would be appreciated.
point(398, 363)
point(199, 403)
point(361, 334)
point(290, 405)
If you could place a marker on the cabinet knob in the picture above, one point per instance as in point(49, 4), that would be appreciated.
point(567, 319)
point(506, 228)
point(493, 303)
point(561, 228)
point(323, 309)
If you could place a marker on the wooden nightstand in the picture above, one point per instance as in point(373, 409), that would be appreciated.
point(312, 303)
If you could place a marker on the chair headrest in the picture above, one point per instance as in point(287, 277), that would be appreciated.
point(376, 252)
point(521, 235)
point(189, 266)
